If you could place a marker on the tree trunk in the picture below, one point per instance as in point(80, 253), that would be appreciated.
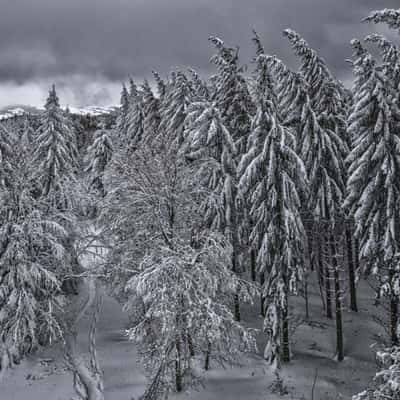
point(253, 266)
point(190, 345)
point(310, 245)
point(356, 254)
point(178, 367)
point(352, 276)
point(207, 359)
point(320, 272)
point(6, 360)
point(237, 307)
point(310, 248)
point(232, 231)
point(262, 298)
point(327, 279)
point(235, 270)
point(306, 295)
point(338, 303)
point(285, 334)
point(394, 317)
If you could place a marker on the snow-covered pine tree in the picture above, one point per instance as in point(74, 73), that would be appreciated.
point(327, 100)
point(231, 96)
point(388, 16)
point(199, 87)
point(374, 185)
point(285, 85)
point(28, 136)
point(246, 220)
point(359, 52)
point(55, 156)
point(99, 156)
point(33, 262)
point(211, 144)
point(323, 152)
point(151, 114)
point(133, 90)
point(134, 120)
point(316, 74)
point(272, 176)
point(161, 85)
point(7, 141)
point(391, 57)
point(292, 102)
point(174, 110)
point(121, 128)
point(231, 93)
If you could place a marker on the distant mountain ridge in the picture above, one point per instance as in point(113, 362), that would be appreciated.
point(19, 110)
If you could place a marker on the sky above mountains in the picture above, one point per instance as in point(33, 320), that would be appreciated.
point(89, 46)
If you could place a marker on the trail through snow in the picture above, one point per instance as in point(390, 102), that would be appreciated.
point(43, 376)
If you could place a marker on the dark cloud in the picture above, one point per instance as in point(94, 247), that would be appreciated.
point(112, 39)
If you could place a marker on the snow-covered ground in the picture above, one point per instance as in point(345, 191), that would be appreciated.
point(43, 376)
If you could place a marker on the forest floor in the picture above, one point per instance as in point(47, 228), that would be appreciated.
point(43, 376)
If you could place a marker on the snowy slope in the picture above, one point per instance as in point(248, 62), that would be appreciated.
point(44, 376)
point(93, 110)
point(313, 349)
point(19, 110)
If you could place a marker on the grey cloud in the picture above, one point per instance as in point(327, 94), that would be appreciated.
point(113, 39)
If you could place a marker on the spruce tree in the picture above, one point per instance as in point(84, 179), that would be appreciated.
point(161, 85)
point(28, 136)
point(272, 175)
point(7, 141)
point(211, 144)
point(121, 128)
point(134, 120)
point(324, 154)
point(133, 90)
point(388, 16)
point(199, 87)
point(33, 263)
point(99, 156)
point(294, 110)
point(174, 111)
point(55, 155)
point(232, 98)
point(151, 114)
point(231, 93)
point(391, 57)
point(373, 183)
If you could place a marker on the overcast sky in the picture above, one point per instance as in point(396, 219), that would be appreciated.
point(89, 46)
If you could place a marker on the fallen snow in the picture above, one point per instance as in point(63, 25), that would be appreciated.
point(43, 376)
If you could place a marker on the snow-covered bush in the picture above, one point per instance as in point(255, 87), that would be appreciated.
point(386, 383)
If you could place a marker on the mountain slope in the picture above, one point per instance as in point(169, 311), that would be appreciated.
point(19, 110)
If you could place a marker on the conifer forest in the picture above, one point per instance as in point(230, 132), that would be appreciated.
point(232, 235)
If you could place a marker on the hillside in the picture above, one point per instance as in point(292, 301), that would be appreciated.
point(20, 110)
